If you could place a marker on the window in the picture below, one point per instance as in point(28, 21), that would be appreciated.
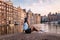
point(11, 10)
point(7, 8)
point(4, 4)
point(9, 18)
point(9, 22)
point(2, 14)
point(7, 12)
point(4, 11)
point(0, 10)
point(0, 6)
point(4, 19)
point(4, 8)
point(0, 3)
point(3, 22)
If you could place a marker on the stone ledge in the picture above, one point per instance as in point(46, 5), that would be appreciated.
point(32, 36)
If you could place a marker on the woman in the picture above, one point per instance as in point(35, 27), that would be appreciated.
point(26, 27)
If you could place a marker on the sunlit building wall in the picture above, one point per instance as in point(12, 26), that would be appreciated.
point(33, 18)
point(21, 16)
point(8, 18)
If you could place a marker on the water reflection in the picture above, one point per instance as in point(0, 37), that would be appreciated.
point(52, 28)
point(55, 28)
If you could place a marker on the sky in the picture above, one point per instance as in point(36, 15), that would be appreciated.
point(42, 7)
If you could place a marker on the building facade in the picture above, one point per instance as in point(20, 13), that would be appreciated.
point(37, 18)
point(10, 18)
point(53, 17)
point(33, 18)
point(21, 16)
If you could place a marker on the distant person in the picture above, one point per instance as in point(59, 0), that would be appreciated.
point(26, 26)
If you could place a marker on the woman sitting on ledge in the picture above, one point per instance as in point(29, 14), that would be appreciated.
point(26, 27)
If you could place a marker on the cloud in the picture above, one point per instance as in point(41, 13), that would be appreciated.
point(45, 6)
point(41, 6)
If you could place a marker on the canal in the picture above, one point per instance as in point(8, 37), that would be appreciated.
point(52, 28)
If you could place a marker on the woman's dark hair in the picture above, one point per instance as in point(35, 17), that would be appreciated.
point(25, 20)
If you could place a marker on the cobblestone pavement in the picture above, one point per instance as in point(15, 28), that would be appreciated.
point(32, 36)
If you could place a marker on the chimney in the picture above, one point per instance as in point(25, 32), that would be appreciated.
point(24, 10)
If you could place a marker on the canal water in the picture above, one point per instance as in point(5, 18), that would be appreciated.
point(52, 28)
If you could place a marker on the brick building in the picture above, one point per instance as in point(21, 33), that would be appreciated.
point(37, 18)
point(53, 17)
point(3, 17)
point(10, 18)
point(21, 16)
point(33, 18)
point(7, 20)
